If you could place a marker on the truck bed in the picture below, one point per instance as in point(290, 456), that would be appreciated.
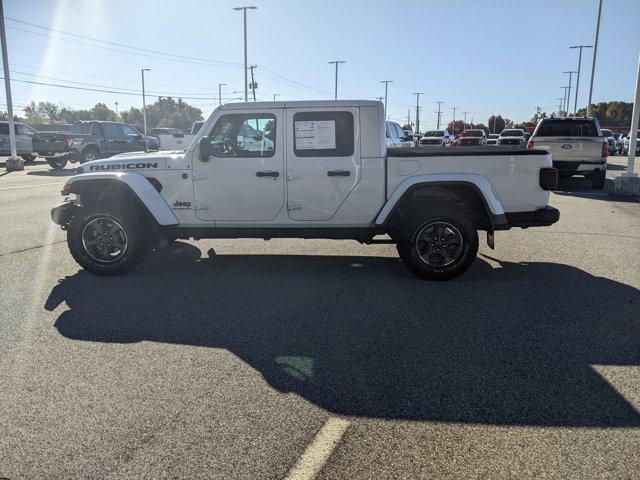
point(437, 151)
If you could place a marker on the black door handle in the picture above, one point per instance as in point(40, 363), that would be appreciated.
point(339, 173)
point(267, 173)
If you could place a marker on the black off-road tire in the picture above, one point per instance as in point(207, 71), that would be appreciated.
point(57, 163)
point(598, 179)
point(136, 238)
point(409, 249)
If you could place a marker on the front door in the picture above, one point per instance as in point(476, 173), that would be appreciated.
point(243, 179)
point(323, 160)
point(133, 141)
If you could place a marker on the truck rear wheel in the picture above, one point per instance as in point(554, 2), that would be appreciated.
point(440, 245)
point(107, 242)
point(89, 154)
point(598, 179)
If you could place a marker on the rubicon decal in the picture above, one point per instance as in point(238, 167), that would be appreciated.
point(180, 205)
point(123, 166)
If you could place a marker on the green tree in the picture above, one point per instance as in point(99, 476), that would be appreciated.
point(32, 114)
point(496, 123)
point(70, 116)
point(132, 116)
point(100, 111)
point(48, 111)
point(612, 114)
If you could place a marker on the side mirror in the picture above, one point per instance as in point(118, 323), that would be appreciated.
point(204, 148)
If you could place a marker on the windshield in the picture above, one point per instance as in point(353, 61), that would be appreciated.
point(494, 135)
point(472, 133)
point(434, 133)
point(607, 133)
point(512, 133)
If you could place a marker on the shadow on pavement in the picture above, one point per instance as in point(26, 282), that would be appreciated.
point(360, 336)
point(581, 187)
point(65, 172)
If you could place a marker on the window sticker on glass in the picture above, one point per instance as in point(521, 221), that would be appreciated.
point(316, 135)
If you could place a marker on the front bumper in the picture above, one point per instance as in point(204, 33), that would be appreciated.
point(543, 217)
point(63, 213)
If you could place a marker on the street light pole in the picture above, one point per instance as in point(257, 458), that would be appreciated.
point(595, 52)
point(386, 91)
point(417, 94)
point(244, 12)
point(220, 85)
point(335, 95)
point(635, 118)
point(575, 104)
point(14, 162)
point(144, 105)
point(464, 122)
point(570, 72)
point(275, 95)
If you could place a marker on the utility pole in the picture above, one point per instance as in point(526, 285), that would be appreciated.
point(570, 72)
point(220, 85)
point(595, 52)
point(244, 14)
point(560, 100)
point(337, 62)
point(454, 119)
point(253, 85)
point(464, 122)
point(564, 102)
point(439, 112)
point(14, 162)
point(575, 104)
point(417, 94)
point(386, 92)
point(275, 95)
point(144, 105)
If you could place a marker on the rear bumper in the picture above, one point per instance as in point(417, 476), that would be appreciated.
point(580, 166)
point(542, 217)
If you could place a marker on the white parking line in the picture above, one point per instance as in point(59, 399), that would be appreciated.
point(34, 185)
point(319, 451)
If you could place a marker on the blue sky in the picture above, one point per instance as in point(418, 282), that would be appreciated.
point(479, 56)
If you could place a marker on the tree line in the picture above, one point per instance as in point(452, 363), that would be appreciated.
point(164, 112)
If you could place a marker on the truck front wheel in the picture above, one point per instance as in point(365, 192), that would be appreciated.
point(106, 242)
point(441, 245)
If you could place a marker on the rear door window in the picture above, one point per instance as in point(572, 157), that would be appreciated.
point(568, 128)
point(4, 129)
point(323, 134)
point(81, 128)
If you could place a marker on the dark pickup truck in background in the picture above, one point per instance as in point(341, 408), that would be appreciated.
point(90, 140)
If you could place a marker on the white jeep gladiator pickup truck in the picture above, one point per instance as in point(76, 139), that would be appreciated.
point(320, 169)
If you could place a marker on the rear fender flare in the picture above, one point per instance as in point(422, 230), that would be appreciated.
point(139, 187)
point(490, 198)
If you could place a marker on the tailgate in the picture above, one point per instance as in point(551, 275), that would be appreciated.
point(50, 142)
point(571, 149)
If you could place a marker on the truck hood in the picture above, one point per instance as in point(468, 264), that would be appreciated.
point(511, 138)
point(136, 161)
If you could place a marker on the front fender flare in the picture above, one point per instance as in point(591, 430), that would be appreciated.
point(491, 201)
point(139, 186)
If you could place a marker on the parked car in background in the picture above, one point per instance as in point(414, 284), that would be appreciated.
point(396, 137)
point(613, 146)
point(472, 137)
point(438, 138)
point(577, 147)
point(24, 140)
point(492, 139)
point(195, 128)
point(512, 137)
point(172, 138)
point(626, 142)
point(618, 137)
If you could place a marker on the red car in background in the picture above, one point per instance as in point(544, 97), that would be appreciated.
point(472, 138)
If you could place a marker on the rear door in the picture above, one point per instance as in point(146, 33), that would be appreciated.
point(575, 140)
point(323, 160)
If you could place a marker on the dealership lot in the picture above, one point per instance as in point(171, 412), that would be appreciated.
point(263, 359)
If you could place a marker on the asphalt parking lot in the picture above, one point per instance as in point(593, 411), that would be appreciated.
point(275, 359)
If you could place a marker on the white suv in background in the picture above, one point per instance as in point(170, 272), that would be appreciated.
point(396, 137)
point(439, 138)
point(512, 136)
point(577, 147)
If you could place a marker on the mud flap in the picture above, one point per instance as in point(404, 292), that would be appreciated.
point(490, 239)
